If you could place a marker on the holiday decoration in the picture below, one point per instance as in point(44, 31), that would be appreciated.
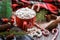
point(6, 9)
point(25, 18)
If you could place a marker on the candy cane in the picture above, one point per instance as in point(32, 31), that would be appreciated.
point(53, 31)
point(36, 5)
point(44, 31)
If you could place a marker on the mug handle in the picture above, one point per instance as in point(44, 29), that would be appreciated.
point(25, 25)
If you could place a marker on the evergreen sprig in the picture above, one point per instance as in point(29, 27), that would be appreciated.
point(41, 15)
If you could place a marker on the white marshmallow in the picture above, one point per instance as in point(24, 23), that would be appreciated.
point(25, 13)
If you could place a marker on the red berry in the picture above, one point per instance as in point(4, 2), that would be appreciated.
point(5, 20)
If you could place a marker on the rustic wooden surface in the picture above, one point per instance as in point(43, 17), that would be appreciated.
point(50, 36)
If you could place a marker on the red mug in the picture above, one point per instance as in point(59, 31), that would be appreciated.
point(25, 23)
point(25, 18)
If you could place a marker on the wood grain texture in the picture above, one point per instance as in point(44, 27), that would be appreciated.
point(50, 36)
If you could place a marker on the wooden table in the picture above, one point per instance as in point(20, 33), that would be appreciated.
point(50, 36)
